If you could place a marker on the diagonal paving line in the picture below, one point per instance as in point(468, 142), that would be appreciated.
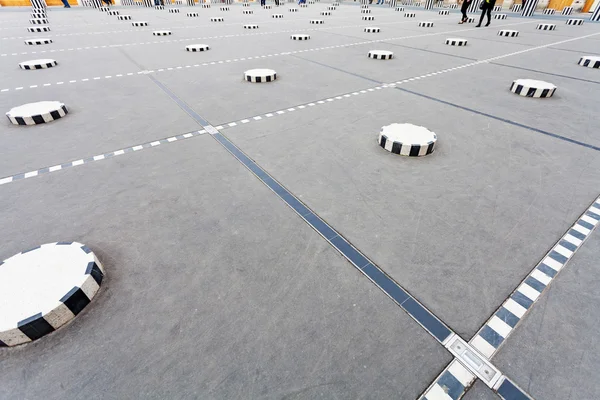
point(455, 380)
point(285, 53)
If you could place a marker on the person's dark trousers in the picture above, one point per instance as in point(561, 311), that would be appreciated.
point(66, 3)
point(464, 8)
point(108, 3)
point(487, 9)
point(262, 2)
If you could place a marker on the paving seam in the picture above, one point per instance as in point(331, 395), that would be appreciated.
point(507, 121)
point(546, 73)
point(30, 174)
point(494, 333)
point(80, 80)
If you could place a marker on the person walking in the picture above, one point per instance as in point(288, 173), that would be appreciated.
point(486, 8)
point(262, 2)
point(66, 3)
point(463, 10)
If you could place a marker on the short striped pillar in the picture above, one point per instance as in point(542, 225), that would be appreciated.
point(364, 2)
point(127, 3)
point(393, 3)
point(429, 4)
point(190, 3)
point(529, 8)
point(407, 2)
point(516, 7)
point(474, 6)
point(567, 11)
point(147, 3)
point(38, 4)
point(596, 14)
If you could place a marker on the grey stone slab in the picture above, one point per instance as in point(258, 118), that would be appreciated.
point(72, 65)
point(103, 116)
point(458, 228)
point(479, 391)
point(214, 289)
point(565, 114)
point(564, 65)
point(297, 82)
point(553, 354)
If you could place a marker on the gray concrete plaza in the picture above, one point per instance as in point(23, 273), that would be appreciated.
point(215, 288)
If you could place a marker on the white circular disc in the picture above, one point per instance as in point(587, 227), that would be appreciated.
point(532, 83)
point(409, 134)
point(41, 281)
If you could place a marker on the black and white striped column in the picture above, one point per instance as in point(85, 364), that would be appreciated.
point(596, 14)
point(567, 11)
point(474, 6)
point(429, 4)
point(38, 4)
point(529, 8)
point(393, 3)
point(516, 8)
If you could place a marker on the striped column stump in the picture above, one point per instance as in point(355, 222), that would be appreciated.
point(590, 61)
point(260, 75)
point(532, 88)
point(380, 55)
point(407, 140)
point(58, 280)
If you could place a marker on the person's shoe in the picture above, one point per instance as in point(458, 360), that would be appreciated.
point(488, 24)
point(478, 26)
